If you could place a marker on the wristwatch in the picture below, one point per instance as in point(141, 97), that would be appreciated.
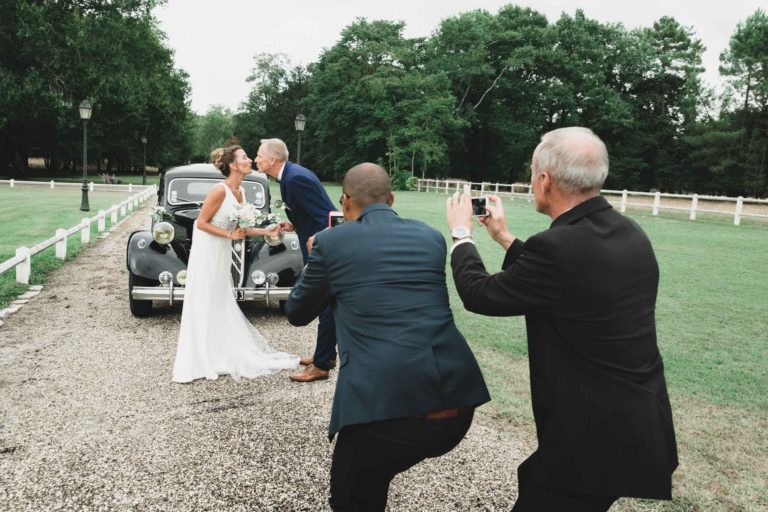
point(461, 232)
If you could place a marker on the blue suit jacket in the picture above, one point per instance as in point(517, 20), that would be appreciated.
point(307, 202)
point(400, 352)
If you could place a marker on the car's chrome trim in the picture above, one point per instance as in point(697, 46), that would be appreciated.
point(177, 293)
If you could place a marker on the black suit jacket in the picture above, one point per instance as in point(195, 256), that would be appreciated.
point(307, 202)
point(400, 352)
point(587, 287)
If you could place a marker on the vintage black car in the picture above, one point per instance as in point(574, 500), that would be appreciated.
point(262, 270)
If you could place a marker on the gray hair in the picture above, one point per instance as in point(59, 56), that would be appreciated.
point(276, 148)
point(574, 157)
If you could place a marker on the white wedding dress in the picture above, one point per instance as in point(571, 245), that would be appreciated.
point(215, 337)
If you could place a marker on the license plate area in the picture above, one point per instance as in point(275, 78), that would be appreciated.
point(239, 294)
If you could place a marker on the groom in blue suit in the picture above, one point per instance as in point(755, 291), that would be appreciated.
point(307, 207)
point(408, 382)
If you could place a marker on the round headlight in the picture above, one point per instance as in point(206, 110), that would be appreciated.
point(272, 279)
point(165, 277)
point(181, 277)
point(163, 232)
point(258, 277)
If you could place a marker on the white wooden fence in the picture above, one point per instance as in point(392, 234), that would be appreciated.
point(736, 207)
point(23, 259)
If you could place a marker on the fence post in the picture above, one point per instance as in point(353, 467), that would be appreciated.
point(113, 219)
point(482, 188)
point(129, 204)
point(446, 186)
point(497, 188)
point(656, 201)
point(12, 183)
point(85, 233)
point(623, 200)
point(90, 186)
point(694, 205)
point(51, 183)
point(101, 224)
point(130, 188)
point(530, 193)
point(24, 269)
point(739, 207)
point(61, 245)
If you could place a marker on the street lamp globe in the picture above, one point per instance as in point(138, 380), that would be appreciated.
point(85, 110)
point(300, 122)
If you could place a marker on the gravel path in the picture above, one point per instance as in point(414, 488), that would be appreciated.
point(89, 419)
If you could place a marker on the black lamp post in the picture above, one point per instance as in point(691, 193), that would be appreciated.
point(85, 115)
point(299, 122)
point(144, 176)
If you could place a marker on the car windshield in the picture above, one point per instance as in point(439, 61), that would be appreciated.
point(194, 190)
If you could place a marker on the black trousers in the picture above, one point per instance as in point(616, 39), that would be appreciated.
point(534, 497)
point(325, 349)
point(368, 456)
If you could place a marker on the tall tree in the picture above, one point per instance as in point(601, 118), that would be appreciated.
point(745, 62)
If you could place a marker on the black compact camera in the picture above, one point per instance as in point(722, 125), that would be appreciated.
point(478, 207)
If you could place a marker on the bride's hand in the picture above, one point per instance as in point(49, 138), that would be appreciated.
point(237, 234)
point(272, 230)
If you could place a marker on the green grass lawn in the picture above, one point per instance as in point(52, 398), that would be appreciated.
point(29, 216)
point(712, 321)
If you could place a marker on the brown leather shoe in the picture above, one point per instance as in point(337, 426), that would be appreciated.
point(309, 374)
point(306, 361)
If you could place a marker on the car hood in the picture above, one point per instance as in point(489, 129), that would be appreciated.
point(186, 218)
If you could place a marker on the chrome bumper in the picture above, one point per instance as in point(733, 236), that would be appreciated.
point(176, 293)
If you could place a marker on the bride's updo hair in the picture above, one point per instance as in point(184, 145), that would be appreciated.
point(222, 157)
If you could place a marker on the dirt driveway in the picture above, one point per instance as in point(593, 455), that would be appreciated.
point(89, 419)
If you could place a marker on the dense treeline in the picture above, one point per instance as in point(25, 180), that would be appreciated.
point(469, 101)
point(473, 99)
point(54, 54)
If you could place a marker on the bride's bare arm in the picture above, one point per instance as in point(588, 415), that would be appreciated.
point(212, 203)
point(272, 230)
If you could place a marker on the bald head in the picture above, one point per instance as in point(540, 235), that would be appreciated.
point(367, 184)
point(575, 158)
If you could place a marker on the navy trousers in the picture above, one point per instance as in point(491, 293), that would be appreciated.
point(325, 348)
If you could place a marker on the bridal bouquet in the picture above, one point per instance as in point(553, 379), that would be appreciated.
point(245, 216)
point(265, 219)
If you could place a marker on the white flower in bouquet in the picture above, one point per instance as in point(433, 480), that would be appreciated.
point(158, 214)
point(244, 216)
point(263, 219)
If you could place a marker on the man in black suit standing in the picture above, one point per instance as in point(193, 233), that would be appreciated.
point(587, 287)
point(307, 206)
point(408, 382)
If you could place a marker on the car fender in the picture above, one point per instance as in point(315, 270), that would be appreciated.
point(285, 260)
point(146, 258)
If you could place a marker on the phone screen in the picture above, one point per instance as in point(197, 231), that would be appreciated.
point(335, 218)
point(478, 207)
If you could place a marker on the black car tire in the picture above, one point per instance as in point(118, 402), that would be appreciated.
point(139, 308)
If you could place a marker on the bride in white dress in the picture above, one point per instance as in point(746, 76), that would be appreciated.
point(215, 337)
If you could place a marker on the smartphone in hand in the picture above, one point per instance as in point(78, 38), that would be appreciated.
point(478, 206)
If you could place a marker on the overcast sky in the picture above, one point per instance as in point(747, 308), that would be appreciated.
point(215, 40)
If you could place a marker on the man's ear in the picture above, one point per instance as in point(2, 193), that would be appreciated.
point(545, 180)
point(391, 199)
